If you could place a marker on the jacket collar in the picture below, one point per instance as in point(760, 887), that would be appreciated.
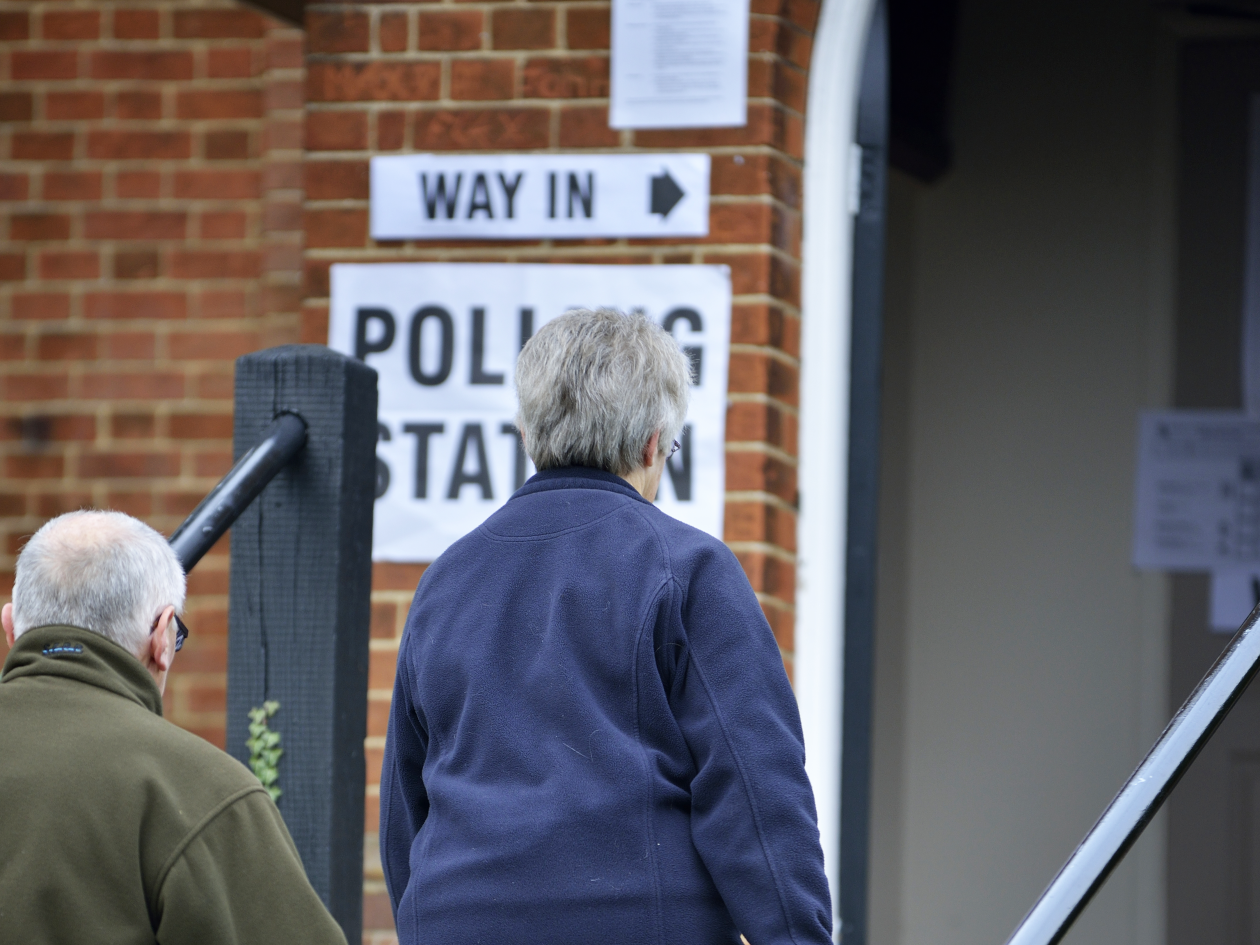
point(577, 477)
point(84, 656)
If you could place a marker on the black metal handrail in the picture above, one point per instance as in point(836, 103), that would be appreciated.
point(280, 442)
point(1138, 801)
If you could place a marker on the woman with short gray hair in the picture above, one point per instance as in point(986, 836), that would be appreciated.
point(594, 387)
point(592, 738)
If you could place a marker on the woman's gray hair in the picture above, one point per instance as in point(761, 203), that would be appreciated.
point(594, 385)
point(103, 571)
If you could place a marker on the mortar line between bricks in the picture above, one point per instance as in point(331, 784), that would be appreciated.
point(753, 397)
point(777, 353)
point(736, 399)
point(596, 251)
point(752, 299)
point(753, 447)
point(764, 547)
point(778, 603)
point(445, 103)
point(758, 497)
point(551, 52)
point(741, 150)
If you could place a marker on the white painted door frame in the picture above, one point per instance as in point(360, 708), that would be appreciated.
point(831, 171)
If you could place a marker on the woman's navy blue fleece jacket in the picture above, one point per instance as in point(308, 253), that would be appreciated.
point(593, 740)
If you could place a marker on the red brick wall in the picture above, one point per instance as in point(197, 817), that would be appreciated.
point(153, 177)
point(533, 75)
point(150, 168)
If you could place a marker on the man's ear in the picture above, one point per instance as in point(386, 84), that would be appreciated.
point(6, 618)
point(161, 643)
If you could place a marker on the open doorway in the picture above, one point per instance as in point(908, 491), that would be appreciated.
point(1020, 661)
point(1214, 814)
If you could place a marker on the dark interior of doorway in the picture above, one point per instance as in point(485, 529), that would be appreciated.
point(865, 347)
point(1213, 871)
point(921, 37)
point(902, 122)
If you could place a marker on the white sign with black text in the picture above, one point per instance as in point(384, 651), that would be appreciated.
point(444, 338)
point(1233, 596)
point(1251, 266)
point(1234, 593)
point(679, 64)
point(1198, 491)
point(539, 196)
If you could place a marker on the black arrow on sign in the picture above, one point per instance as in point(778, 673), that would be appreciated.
point(665, 194)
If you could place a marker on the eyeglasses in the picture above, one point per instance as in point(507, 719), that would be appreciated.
point(181, 630)
point(674, 449)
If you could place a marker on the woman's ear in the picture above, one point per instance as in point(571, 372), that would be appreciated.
point(651, 452)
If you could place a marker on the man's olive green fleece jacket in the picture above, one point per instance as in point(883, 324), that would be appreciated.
point(118, 827)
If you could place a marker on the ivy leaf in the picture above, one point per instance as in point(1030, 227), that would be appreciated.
point(264, 747)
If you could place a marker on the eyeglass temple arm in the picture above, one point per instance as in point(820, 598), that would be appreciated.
point(279, 444)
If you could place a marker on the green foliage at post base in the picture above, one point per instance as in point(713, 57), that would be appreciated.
point(264, 748)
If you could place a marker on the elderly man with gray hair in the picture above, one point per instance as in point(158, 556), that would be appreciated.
point(117, 825)
point(592, 739)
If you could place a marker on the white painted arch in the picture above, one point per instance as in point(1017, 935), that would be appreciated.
point(822, 473)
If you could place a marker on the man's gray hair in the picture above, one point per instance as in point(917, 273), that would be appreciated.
point(103, 571)
point(595, 385)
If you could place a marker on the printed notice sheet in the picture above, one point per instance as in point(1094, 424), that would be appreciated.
point(1234, 595)
point(1251, 267)
point(1198, 491)
point(679, 63)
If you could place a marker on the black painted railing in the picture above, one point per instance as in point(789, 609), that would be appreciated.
point(279, 443)
point(1138, 801)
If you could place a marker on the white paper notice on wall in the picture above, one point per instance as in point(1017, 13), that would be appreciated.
point(539, 196)
point(1251, 268)
point(444, 338)
point(1198, 491)
point(1234, 595)
point(679, 63)
point(1235, 592)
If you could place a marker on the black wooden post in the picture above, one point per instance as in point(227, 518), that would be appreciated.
point(301, 575)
